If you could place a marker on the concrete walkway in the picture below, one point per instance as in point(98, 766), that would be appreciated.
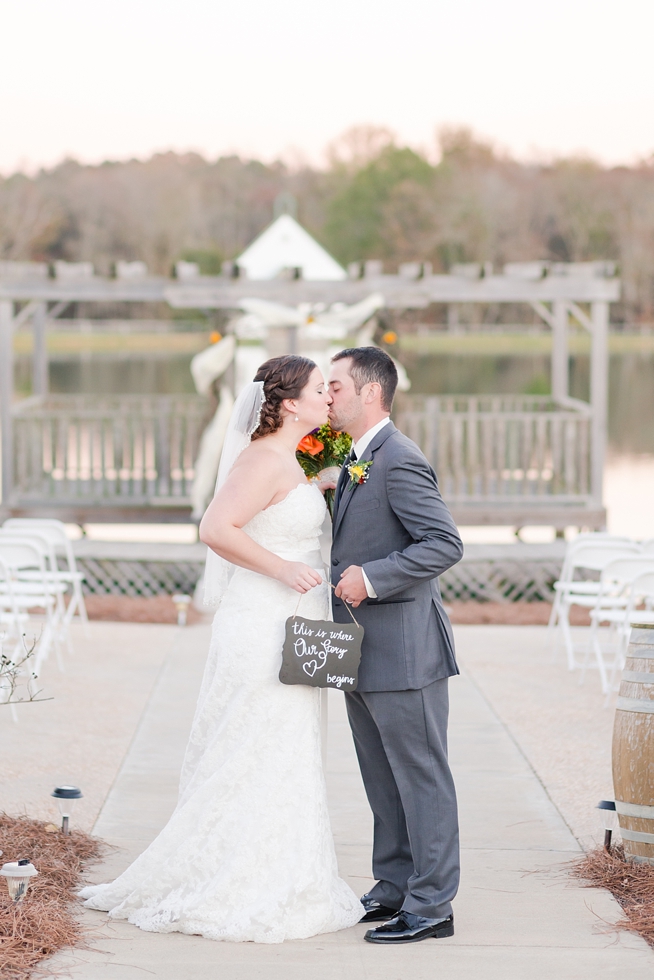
point(518, 914)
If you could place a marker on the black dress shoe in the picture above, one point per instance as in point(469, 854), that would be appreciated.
point(375, 911)
point(409, 928)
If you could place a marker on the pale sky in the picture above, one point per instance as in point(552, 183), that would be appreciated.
point(284, 77)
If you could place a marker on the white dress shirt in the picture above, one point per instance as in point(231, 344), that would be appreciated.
point(362, 444)
point(359, 448)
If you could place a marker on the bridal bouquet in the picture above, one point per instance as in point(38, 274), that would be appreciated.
point(321, 455)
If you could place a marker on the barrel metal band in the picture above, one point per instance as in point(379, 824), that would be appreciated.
point(637, 836)
point(638, 676)
point(635, 810)
point(635, 704)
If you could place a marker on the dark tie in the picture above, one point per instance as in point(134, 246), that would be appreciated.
point(350, 459)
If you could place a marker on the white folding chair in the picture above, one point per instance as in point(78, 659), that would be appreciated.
point(12, 620)
point(20, 556)
point(641, 593)
point(616, 602)
point(12, 627)
point(587, 537)
point(569, 566)
point(55, 531)
point(30, 580)
point(590, 556)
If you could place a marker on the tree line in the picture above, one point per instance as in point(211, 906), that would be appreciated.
point(374, 199)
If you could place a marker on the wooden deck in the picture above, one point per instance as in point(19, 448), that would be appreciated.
point(507, 459)
point(512, 460)
point(487, 573)
point(500, 461)
point(103, 459)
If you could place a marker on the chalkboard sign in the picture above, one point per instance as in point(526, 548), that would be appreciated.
point(321, 654)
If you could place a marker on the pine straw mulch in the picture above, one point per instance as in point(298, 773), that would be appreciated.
point(161, 609)
point(473, 613)
point(43, 922)
point(631, 884)
point(137, 609)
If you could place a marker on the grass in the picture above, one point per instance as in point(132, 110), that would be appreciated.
point(516, 344)
point(441, 342)
point(111, 343)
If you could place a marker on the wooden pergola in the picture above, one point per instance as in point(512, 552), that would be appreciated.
point(501, 459)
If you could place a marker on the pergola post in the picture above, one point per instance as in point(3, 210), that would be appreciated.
point(599, 383)
point(560, 380)
point(7, 396)
point(40, 381)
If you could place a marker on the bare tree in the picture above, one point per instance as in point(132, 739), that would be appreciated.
point(13, 671)
point(374, 199)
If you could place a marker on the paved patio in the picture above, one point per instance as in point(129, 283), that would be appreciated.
point(530, 751)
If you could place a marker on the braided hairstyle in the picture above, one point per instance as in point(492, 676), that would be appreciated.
point(283, 377)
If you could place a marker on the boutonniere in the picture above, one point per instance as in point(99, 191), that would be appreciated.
point(359, 472)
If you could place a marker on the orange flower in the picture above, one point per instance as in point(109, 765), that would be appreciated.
point(310, 445)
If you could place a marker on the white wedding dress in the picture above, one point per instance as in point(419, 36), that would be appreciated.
point(248, 853)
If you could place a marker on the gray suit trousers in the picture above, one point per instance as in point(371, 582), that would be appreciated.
point(401, 742)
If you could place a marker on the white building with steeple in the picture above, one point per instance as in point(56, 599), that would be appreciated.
point(285, 248)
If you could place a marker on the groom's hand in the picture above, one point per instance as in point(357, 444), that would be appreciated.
point(352, 588)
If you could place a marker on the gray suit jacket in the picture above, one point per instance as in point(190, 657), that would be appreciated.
point(398, 528)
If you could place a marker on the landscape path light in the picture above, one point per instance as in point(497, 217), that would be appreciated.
point(182, 602)
point(18, 875)
point(66, 797)
point(609, 820)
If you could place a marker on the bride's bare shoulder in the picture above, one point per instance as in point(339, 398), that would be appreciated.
point(257, 459)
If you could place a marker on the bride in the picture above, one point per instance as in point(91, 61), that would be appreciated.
point(248, 852)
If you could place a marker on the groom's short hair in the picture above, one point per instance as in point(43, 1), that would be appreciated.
point(371, 364)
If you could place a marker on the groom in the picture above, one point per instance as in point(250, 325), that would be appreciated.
point(393, 536)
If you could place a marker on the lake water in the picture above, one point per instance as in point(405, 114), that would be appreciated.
point(629, 486)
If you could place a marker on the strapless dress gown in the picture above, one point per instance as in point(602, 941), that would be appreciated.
point(248, 853)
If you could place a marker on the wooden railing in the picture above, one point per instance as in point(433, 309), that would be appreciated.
point(498, 448)
point(127, 449)
point(499, 459)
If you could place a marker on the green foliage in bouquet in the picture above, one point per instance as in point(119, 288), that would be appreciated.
point(321, 449)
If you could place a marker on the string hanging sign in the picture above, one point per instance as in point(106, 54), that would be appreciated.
point(320, 653)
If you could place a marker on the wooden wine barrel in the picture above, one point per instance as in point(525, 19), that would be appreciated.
point(633, 748)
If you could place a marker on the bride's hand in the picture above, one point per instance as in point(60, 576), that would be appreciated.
point(324, 484)
point(299, 576)
point(327, 478)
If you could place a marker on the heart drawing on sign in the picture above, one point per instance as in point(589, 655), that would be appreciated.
point(310, 668)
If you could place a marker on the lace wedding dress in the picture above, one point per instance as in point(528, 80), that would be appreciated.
point(248, 852)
